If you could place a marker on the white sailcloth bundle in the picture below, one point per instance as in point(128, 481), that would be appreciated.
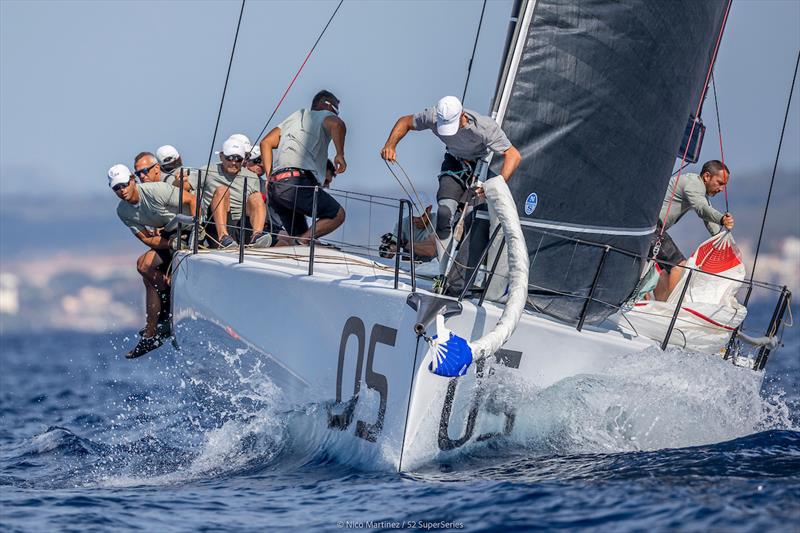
point(709, 312)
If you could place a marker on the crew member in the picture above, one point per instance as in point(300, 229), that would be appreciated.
point(302, 142)
point(146, 208)
point(171, 163)
point(468, 137)
point(691, 192)
point(222, 194)
point(423, 234)
point(146, 167)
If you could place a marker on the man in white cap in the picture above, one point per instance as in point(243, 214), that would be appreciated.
point(224, 191)
point(254, 163)
point(302, 141)
point(172, 169)
point(146, 208)
point(423, 235)
point(469, 137)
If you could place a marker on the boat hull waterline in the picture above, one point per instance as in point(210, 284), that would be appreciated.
point(345, 338)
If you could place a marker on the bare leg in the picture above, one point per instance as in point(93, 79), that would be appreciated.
point(667, 282)
point(324, 226)
point(257, 211)
point(221, 202)
point(152, 308)
point(154, 280)
point(675, 276)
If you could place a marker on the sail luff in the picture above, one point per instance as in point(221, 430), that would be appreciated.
point(596, 98)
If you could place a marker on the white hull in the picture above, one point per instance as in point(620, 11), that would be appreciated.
point(344, 338)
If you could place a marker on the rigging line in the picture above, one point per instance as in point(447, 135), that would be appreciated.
point(775, 168)
point(719, 131)
point(421, 209)
point(308, 56)
point(282, 97)
point(472, 57)
point(697, 111)
point(222, 101)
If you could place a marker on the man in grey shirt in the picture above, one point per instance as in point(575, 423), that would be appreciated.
point(223, 191)
point(469, 137)
point(689, 193)
point(302, 141)
point(145, 208)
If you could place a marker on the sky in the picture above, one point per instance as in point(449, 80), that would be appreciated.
point(85, 85)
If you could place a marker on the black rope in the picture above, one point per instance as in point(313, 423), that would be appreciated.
point(222, 101)
point(274, 111)
point(472, 57)
point(775, 167)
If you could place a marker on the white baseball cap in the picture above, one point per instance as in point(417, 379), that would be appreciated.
point(167, 154)
point(255, 153)
point(117, 174)
point(448, 115)
point(234, 147)
point(243, 139)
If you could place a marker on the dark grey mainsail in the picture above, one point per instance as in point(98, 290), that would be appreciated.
point(596, 94)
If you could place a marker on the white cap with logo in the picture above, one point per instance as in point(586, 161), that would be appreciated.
point(234, 147)
point(118, 174)
point(255, 153)
point(448, 115)
point(167, 154)
point(244, 139)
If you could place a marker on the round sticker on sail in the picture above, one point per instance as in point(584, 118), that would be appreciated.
point(530, 203)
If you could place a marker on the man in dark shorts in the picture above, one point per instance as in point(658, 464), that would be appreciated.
point(146, 208)
point(469, 137)
point(691, 193)
point(298, 170)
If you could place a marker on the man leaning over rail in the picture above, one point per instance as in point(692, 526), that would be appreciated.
point(146, 208)
point(224, 184)
point(691, 192)
point(302, 142)
point(469, 137)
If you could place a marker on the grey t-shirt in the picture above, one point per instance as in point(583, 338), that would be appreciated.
point(480, 136)
point(173, 177)
point(304, 142)
point(691, 194)
point(420, 234)
point(158, 204)
point(217, 177)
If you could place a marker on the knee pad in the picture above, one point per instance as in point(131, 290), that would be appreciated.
point(444, 217)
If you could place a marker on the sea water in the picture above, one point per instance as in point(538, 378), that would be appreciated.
point(661, 440)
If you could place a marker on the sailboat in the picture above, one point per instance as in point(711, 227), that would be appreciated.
point(596, 96)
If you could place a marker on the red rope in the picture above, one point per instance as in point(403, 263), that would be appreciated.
point(274, 111)
point(697, 113)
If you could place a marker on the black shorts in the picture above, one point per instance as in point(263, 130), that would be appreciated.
point(165, 255)
point(454, 177)
point(668, 253)
point(292, 199)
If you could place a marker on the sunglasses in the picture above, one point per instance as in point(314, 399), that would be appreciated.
point(334, 107)
point(145, 171)
point(118, 187)
point(256, 161)
point(234, 158)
